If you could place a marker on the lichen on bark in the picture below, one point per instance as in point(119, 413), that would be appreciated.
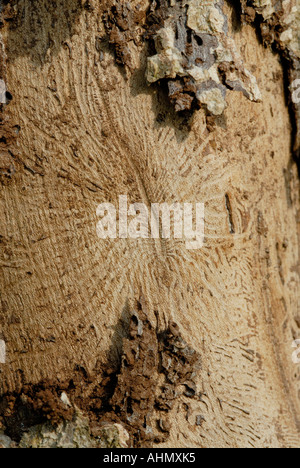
point(194, 52)
point(157, 369)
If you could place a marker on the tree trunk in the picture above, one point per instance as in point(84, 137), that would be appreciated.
point(182, 347)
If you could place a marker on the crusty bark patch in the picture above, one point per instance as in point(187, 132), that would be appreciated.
point(156, 369)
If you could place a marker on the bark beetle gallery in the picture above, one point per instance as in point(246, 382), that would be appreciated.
point(126, 342)
point(194, 52)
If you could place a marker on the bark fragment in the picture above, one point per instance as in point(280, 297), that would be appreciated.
point(72, 434)
point(193, 45)
point(133, 403)
point(8, 130)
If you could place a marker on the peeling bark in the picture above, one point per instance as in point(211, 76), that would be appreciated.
point(94, 94)
point(279, 26)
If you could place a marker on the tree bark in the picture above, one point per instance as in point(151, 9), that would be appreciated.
point(82, 129)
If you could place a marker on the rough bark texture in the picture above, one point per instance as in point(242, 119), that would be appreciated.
point(83, 127)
